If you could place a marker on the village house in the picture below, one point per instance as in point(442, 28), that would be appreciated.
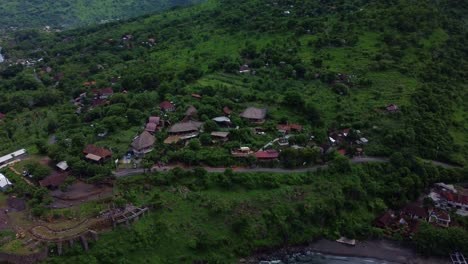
point(227, 111)
point(244, 69)
point(286, 129)
point(151, 127)
point(167, 106)
point(103, 94)
point(196, 96)
point(385, 220)
point(447, 197)
point(415, 212)
point(4, 183)
point(191, 111)
point(185, 130)
point(254, 114)
point(143, 144)
point(392, 108)
point(267, 155)
point(242, 152)
point(96, 154)
point(439, 218)
point(63, 165)
point(222, 121)
point(11, 157)
point(220, 136)
point(154, 124)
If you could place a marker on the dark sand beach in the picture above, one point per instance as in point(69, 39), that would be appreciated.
point(376, 249)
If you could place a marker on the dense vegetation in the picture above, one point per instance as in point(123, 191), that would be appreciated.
point(218, 218)
point(67, 13)
point(327, 65)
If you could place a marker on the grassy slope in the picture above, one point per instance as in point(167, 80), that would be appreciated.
point(26, 13)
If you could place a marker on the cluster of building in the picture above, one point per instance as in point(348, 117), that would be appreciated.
point(446, 198)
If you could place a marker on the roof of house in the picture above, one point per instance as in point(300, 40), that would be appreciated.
point(220, 134)
point(342, 151)
point(222, 119)
point(2, 115)
point(166, 105)
point(144, 140)
point(154, 119)
point(97, 151)
point(244, 68)
point(191, 111)
point(54, 180)
point(289, 127)
point(254, 113)
point(172, 139)
point(392, 107)
point(226, 110)
point(185, 127)
point(103, 91)
point(63, 165)
point(151, 127)
point(441, 215)
point(267, 154)
point(12, 155)
point(196, 96)
point(385, 220)
point(453, 197)
point(4, 182)
point(415, 210)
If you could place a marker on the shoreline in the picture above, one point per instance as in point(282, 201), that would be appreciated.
point(384, 250)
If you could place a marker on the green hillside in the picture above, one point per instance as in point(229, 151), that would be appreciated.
point(329, 66)
point(67, 13)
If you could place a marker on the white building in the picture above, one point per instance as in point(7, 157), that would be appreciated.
point(4, 182)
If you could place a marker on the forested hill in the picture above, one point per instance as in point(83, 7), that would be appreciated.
point(72, 13)
point(326, 64)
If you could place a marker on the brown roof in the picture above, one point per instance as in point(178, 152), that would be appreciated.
point(151, 127)
point(254, 113)
point(413, 209)
point(172, 139)
point(16, 204)
point(97, 151)
point(220, 134)
point(191, 111)
point(154, 119)
point(185, 127)
point(144, 140)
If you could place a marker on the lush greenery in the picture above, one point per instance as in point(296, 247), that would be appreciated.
point(67, 13)
point(218, 218)
point(328, 65)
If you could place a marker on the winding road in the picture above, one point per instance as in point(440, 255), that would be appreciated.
point(355, 160)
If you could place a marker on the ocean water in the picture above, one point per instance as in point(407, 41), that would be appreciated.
point(318, 258)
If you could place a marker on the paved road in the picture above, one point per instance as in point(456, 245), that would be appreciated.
point(130, 172)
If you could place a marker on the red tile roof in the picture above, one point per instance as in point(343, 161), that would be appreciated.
point(98, 151)
point(166, 105)
point(385, 220)
point(268, 154)
point(415, 210)
point(196, 96)
point(453, 197)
